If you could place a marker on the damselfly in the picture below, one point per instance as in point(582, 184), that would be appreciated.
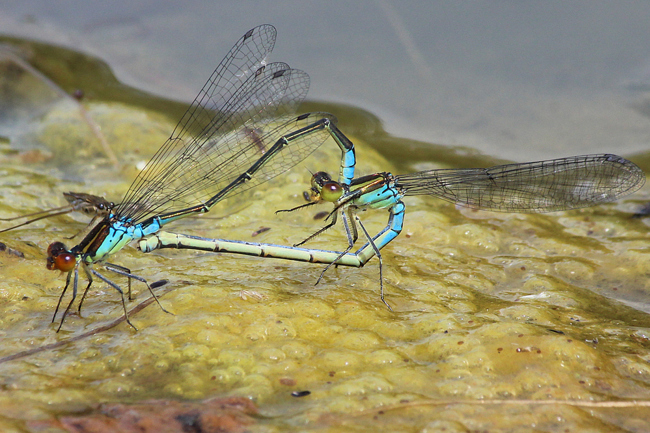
point(238, 133)
point(530, 187)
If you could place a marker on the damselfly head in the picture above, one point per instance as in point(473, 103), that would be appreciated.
point(323, 188)
point(59, 258)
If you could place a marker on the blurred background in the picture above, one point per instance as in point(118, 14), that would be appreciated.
point(514, 80)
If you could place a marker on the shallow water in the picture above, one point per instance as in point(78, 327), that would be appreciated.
point(487, 306)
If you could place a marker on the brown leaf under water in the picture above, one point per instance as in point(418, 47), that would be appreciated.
point(224, 415)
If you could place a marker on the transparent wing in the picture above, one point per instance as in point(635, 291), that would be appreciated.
point(246, 146)
point(222, 132)
point(542, 186)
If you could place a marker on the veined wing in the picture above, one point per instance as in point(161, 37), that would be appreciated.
point(218, 137)
point(542, 186)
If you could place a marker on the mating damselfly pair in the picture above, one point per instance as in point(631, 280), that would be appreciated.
point(240, 131)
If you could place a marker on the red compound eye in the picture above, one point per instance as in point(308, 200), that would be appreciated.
point(59, 258)
point(63, 262)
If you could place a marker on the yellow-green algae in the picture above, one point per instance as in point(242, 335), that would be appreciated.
point(486, 305)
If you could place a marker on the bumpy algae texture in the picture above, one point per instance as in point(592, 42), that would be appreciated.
point(501, 322)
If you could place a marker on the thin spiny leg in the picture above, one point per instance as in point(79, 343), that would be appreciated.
point(378, 254)
point(116, 287)
point(352, 217)
point(74, 295)
point(127, 273)
point(296, 208)
point(324, 229)
point(90, 282)
point(67, 283)
point(352, 235)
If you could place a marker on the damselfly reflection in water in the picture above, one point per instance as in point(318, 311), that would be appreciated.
point(238, 133)
point(530, 187)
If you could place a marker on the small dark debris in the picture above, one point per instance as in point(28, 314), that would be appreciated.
point(260, 231)
point(158, 283)
point(9, 250)
point(300, 393)
point(321, 215)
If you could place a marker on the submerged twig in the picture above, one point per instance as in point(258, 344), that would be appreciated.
point(338, 417)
